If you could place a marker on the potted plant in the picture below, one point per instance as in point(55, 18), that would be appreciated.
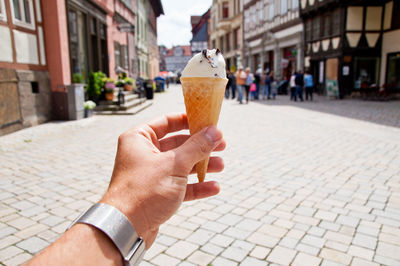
point(89, 106)
point(95, 84)
point(109, 90)
point(128, 84)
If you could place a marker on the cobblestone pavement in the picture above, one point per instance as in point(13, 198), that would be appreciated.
point(300, 187)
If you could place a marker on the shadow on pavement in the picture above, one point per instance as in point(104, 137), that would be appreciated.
point(383, 113)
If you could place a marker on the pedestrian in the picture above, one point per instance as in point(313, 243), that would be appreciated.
point(274, 85)
point(148, 185)
point(240, 82)
point(268, 82)
point(263, 85)
point(232, 78)
point(249, 81)
point(167, 81)
point(299, 80)
point(228, 85)
point(309, 84)
point(257, 81)
point(292, 85)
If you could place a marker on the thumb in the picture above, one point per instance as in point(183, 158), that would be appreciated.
point(196, 148)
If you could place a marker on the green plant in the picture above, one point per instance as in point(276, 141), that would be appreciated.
point(95, 84)
point(77, 78)
point(129, 81)
point(89, 105)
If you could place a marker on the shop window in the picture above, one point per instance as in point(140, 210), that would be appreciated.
point(3, 15)
point(225, 10)
point(366, 72)
point(271, 11)
point(22, 12)
point(393, 71)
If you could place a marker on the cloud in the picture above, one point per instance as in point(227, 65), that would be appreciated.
point(174, 27)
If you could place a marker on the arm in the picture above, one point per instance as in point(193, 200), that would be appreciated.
point(148, 185)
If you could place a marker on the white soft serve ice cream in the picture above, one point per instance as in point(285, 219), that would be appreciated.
point(207, 64)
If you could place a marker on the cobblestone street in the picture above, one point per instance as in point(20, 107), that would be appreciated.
point(304, 184)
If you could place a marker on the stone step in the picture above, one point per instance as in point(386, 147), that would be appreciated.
point(128, 98)
point(131, 111)
point(114, 107)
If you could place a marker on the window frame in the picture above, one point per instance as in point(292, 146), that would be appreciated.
point(225, 9)
point(3, 13)
point(23, 23)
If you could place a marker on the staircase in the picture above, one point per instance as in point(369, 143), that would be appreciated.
point(133, 105)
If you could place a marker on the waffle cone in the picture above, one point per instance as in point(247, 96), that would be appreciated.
point(203, 100)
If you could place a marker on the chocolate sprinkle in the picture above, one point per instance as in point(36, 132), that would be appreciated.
point(204, 52)
point(218, 51)
point(216, 74)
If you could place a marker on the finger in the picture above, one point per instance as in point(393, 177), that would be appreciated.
point(201, 190)
point(196, 148)
point(177, 140)
point(215, 165)
point(168, 123)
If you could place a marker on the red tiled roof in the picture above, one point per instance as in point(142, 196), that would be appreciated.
point(186, 50)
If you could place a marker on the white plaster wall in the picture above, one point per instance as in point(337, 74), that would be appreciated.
point(6, 52)
point(42, 47)
point(26, 48)
point(390, 44)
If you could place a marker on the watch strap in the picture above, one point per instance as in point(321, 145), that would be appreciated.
point(118, 228)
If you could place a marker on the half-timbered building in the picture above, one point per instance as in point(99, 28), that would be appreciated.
point(352, 45)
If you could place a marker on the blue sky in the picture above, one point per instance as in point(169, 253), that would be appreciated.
point(174, 27)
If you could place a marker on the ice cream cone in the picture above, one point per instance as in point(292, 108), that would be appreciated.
point(203, 100)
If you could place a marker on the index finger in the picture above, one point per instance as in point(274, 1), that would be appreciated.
point(168, 123)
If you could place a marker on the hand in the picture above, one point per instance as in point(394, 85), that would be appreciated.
point(149, 181)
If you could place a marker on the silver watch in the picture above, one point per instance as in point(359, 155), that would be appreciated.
point(118, 228)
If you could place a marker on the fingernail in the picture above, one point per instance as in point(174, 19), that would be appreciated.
point(213, 134)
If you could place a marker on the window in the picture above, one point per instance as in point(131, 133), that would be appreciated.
point(308, 30)
point(366, 72)
point(225, 10)
point(284, 6)
point(235, 38)
point(271, 11)
point(228, 41)
point(316, 28)
point(336, 22)
point(221, 43)
point(327, 26)
point(393, 71)
point(117, 53)
point(22, 12)
point(3, 15)
point(295, 4)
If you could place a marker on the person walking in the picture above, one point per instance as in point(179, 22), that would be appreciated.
point(292, 84)
point(248, 82)
point(240, 82)
point(299, 80)
point(309, 84)
point(228, 85)
point(263, 85)
point(232, 80)
point(257, 81)
point(274, 85)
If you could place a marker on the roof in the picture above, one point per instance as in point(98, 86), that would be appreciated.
point(157, 7)
point(204, 18)
point(194, 20)
point(186, 50)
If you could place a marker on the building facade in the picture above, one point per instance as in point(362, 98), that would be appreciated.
point(154, 10)
point(353, 44)
point(177, 57)
point(273, 36)
point(226, 30)
point(199, 41)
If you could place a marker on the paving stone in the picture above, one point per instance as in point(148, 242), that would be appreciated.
point(9, 252)
point(175, 232)
point(200, 258)
point(31, 231)
point(200, 237)
point(263, 240)
point(223, 262)
point(249, 261)
point(347, 220)
point(281, 255)
point(388, 250)
point(21, 223)
point(260, 252)
point(222, 240)
point(337, 246)
point(335, 255)
point(288, 242)
point(271, 230)
point(338, 237)
point(163, 259)
point(364, 241)
point(234, 253)
point(308, 249)
point(18, 260)
point(230, 219)
point(362, 262)
point(306, 259)
point(33, 244)
point(361, 252)
point(212, 249)
point(8, 241)
point(181, 249)
point(215, 226)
